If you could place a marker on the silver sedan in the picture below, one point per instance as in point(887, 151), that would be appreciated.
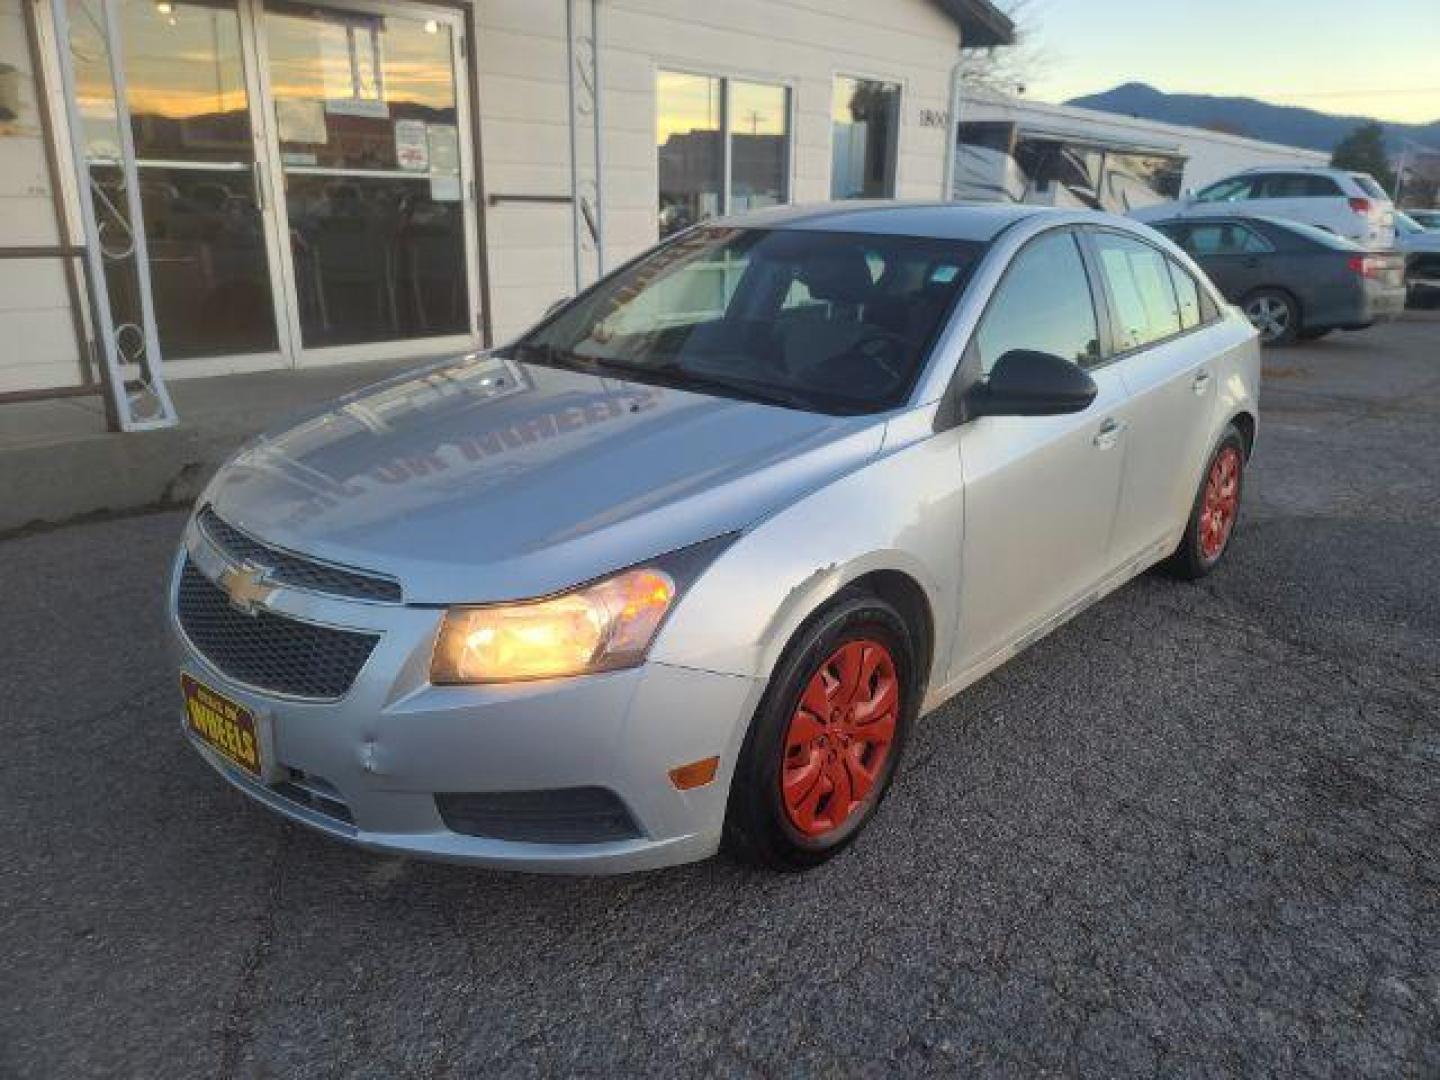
point(680, 569)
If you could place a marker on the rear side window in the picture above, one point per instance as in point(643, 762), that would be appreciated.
point(1224, 238)
point(1297, 186)
point(1187, 291)
point(1145, 309)
point(1043, 304)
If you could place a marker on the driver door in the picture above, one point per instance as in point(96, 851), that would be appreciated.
point(1041, 492)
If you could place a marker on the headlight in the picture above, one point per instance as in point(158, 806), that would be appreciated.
point(595, 628)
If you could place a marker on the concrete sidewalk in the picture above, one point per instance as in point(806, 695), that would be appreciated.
point(58, 463)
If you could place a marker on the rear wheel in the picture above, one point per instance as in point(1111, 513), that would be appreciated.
point(1275, 314)
point(1215, 511)
point(824, 744)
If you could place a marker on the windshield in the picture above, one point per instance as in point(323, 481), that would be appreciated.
point(1317, 234)
point(822, 321)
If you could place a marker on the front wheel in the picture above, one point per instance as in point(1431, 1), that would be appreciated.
point(1275, 314)
point(1215, 511)
point(826, 739)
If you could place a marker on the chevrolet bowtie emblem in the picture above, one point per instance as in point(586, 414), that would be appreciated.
point(248, 587)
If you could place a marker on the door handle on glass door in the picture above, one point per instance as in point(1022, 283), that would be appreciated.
point(1109, 434)
point(1201, 383)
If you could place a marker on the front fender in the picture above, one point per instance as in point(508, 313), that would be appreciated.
point(902, 511)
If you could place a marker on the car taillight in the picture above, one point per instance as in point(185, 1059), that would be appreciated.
point(1361, 206)
point(1366, 266)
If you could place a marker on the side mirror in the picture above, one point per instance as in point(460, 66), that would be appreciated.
point(1026, 383)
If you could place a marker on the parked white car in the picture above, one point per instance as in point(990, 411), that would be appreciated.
point(1421, 248)
point(1348, 204)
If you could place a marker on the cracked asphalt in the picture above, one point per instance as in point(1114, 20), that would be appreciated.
point(1196, 832)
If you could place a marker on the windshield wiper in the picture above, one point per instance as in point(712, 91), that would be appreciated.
point(685, 379)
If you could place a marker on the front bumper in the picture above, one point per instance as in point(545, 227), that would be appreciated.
point(383, 751)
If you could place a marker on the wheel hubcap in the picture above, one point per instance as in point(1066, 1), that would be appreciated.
point(839, 737)
point(1269, 315)
point(1221, 503)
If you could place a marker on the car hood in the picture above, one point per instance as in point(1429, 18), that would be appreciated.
point(483, 479)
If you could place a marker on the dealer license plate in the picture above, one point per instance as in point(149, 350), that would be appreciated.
point(224, 725)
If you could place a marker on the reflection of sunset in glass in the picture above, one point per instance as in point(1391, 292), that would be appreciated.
point(686, 103)
point(180, 63)
point(310, 58)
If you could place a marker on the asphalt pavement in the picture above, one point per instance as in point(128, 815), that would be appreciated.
point(1195, 832)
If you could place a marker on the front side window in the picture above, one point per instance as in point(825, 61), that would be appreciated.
point(708, 128)
point(1145, 308)
point(1043, 304)
point(1226, 191)
point(829, 322)
point(865, 133)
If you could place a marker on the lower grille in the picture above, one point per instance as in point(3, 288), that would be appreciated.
point(266, 650)
point(315, 793)
point(588, 815)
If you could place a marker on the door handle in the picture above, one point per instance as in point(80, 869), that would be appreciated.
point(1109, 434)
point(1201, 383)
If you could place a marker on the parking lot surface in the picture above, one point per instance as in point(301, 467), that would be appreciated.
point(1195, 832)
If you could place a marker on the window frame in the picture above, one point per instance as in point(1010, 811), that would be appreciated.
point(1109, 335)
point(725, 78)
point(901, 86)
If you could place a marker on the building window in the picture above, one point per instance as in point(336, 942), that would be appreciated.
point(865, 122)
point(721, 146)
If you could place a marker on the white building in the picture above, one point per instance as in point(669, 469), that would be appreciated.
point(1015, 150)
point(338, 180)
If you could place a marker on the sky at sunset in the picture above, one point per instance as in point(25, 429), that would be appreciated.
point(1366, 57)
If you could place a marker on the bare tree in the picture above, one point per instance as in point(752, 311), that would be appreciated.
point(1008, 69)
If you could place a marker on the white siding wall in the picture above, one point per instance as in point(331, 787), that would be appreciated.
point(37, 342)
point(802, 43)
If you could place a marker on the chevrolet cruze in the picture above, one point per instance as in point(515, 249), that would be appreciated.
point(680, 569)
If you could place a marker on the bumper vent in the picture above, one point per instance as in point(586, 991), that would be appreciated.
point(299, 571)
point(588, 815)
point(266, 650)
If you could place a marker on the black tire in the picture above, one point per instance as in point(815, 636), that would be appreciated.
point(1195, 558)
point(1314, 335)
point(758, 827)
point(1275, 313)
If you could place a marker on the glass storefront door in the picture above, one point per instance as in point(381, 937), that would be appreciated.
point(303, 172)
point(368, 131)
point(210, 259)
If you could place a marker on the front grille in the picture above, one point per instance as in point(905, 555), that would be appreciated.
point(588, 815)
point(266, 650)
point(287, 568)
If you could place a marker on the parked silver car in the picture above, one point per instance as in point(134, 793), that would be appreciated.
point(680, 568)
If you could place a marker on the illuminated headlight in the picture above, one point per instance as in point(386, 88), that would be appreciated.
point(599, 627)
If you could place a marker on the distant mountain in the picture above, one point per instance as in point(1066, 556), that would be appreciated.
point(1283, 124)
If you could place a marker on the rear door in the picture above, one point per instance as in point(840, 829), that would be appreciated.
point(1040, 491)
point(1231, 253)
point(1158, 319)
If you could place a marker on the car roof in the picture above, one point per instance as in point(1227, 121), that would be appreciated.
point(1297, 168)
point(980, 222)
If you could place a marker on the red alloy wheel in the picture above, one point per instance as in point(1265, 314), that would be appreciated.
point(1222, 502)
point(839, 737)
